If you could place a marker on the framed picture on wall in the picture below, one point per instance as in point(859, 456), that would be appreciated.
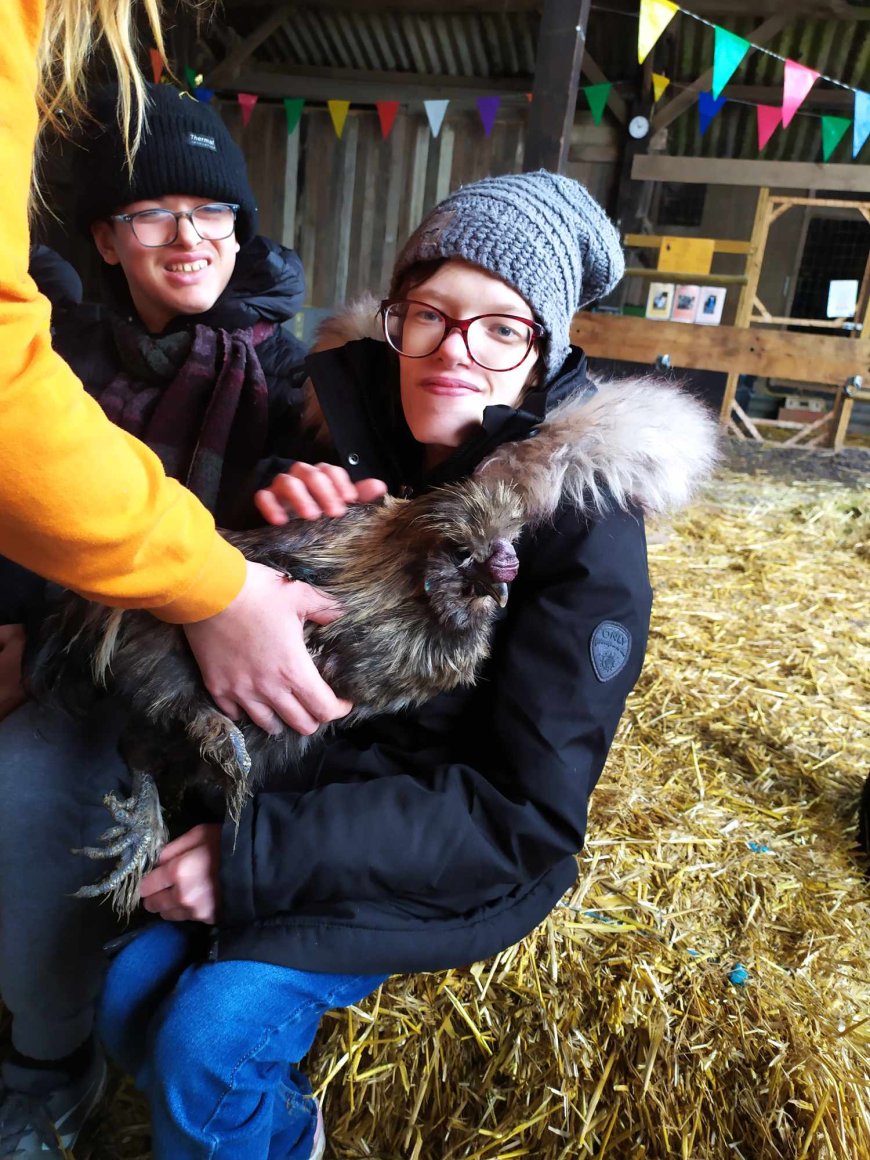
point(685, 303)
point(660, 300)
point(711, 302)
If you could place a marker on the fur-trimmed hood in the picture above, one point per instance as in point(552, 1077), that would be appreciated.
point(643, 441)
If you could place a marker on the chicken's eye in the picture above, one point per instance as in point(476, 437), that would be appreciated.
point(459, 557)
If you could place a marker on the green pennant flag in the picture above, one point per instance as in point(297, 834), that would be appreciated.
point(728, 51)
point(597, 96)
point(191, 78)
point(833, 129)
point(293, 110)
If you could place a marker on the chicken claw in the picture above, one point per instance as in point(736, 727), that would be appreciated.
point(135, 840)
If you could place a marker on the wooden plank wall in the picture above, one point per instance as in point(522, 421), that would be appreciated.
point(354, 201)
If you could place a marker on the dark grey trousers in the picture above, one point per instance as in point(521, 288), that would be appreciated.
point(54, 771)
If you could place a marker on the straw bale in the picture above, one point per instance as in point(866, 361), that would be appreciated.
point(704, 990)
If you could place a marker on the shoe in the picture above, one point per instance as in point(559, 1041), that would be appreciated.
point(41, 1127)
point(318, 1150)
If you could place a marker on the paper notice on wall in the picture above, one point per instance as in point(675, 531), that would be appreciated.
point(842, 297)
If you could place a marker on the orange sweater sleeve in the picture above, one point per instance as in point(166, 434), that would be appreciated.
point(81, 502)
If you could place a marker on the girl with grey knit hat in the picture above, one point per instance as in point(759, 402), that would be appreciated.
point(440, 836)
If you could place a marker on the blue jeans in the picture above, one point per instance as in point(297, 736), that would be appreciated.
point(211, 1044)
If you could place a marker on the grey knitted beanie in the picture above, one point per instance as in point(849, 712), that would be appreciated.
point(543, 234)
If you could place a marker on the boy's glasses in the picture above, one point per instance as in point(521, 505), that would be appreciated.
point(159, 227)
point(496, 342)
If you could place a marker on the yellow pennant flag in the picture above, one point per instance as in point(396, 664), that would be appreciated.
point(338, 112)
point(660, 83)
point(655, 16)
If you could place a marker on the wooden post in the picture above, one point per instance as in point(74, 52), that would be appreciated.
point(747, 294)
point(561, 41)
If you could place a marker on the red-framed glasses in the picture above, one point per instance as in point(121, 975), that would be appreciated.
point(496, 342)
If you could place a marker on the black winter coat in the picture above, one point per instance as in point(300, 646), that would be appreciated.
point(441, 836)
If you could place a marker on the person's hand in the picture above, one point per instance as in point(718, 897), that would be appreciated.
point(253, 657)
point(12, 693)
point(314, 490)
point(184, 885)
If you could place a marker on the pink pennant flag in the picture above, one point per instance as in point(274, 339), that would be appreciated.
point(247, 101)
point(156, 65)
point(798, 81)
point(386, 114)
point(769, 117)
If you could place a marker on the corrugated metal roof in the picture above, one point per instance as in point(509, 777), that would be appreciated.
point(504, 44)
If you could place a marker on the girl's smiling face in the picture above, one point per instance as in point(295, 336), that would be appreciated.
point(186, 277)
point(444, 394)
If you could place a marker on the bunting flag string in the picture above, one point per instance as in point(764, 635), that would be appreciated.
point(708, 107)
point(729, 51)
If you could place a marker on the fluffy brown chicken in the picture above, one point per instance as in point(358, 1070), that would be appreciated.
point(421, 582)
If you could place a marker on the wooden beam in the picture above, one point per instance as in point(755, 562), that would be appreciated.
point(654, 242)
point(684, 100)
point(227, 69)
point(778, 174)
point(806, 358)
point(561, 40)
point(365, 86)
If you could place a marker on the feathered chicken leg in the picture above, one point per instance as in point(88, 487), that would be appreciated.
point(136, 839)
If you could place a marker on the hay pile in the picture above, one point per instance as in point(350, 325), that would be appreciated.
point(705, 991)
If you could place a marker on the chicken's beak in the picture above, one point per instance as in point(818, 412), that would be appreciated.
point(485, 585)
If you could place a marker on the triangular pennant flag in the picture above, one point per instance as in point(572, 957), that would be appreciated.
point(386, 115)
point(597, 96)
point(191, 77)
point(768, 118)
point(528, 96)
point(728, 51)
point(833, 131)
point(708, 107)
point(247, 101)
point(338, 112)
point(660, 83)
point(435, 111)
point(861, 131)
point(293, 112)
point(204, 95)
point(156, 65)
point(655, 16)
point(798, 81)
point(488, 108)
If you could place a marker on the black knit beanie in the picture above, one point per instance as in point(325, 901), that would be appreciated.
point(186, 149)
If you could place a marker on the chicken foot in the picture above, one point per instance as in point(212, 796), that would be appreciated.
point(135, 840)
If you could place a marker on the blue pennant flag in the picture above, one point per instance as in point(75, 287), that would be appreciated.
point(708, 107)
point(861, 127)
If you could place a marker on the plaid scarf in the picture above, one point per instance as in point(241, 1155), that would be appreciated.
point(199, 399)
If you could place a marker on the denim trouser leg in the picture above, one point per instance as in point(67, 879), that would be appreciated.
point(215, 1059)
point(54, 771)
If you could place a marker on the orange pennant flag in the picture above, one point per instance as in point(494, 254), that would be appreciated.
point(156, 65)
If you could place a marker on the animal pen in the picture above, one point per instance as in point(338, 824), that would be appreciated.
point(703, 992)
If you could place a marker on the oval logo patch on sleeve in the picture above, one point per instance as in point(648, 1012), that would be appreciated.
point(609, 649)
